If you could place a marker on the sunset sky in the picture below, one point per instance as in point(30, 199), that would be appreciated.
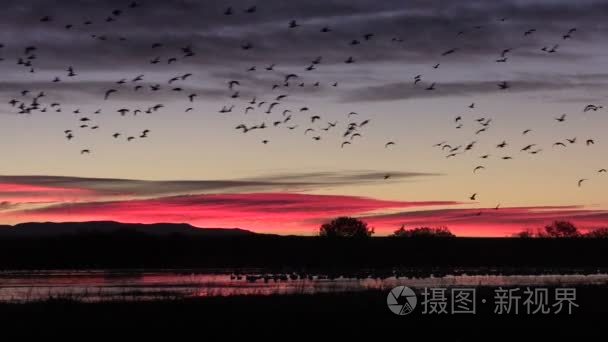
point(195, 167)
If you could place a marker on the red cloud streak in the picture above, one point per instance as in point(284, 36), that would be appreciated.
point(25, 193)
point(283, 213)
point(296, 213)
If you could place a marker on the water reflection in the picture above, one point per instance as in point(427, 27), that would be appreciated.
point(145, 285)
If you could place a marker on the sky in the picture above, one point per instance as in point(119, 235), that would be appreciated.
point(195, 166)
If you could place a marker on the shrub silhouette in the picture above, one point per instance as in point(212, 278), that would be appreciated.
point(348, 227)
point(561, 229)
point(527, 233)
point(598, 233)
point(441, 232)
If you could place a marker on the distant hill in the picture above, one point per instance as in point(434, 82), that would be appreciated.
point(48, 229)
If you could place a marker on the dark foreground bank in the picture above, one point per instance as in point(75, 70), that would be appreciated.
point(323, 315)
point(134, 249)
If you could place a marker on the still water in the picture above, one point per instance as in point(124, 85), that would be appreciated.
point(146, 285)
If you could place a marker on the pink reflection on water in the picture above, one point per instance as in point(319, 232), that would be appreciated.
point(102, 285)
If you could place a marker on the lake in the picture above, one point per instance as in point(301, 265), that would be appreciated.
point(103, 285)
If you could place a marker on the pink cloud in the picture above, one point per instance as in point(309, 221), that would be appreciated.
point(284, 213)
point(281, 213)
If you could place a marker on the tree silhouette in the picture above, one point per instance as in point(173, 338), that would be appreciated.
point(344, 226)
point(562, 229)
point(441, 232)
point(527, 233)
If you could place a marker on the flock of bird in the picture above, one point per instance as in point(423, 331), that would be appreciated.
point(273, 103)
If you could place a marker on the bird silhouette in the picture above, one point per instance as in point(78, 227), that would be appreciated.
point(271, 106)
point(528, 147)
point(504, 85)
point(109, 92)
point(591, 107)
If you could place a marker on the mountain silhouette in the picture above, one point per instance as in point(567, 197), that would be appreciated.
point(47, 229)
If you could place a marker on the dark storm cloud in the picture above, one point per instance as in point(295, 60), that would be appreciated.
point(427, 27)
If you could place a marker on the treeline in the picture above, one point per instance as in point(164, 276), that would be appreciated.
point(129, 250)
point(563, 229)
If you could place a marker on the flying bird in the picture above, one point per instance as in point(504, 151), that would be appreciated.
point(109, 92)
point(504, 85)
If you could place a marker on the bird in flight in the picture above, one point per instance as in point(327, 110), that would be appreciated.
point(528, 147)
point(580, 182)
point(110, 92)
point(473, 197)
point(591, 107)
point(478, 168)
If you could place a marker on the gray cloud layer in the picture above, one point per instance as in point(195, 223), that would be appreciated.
point(427, 28)
point(140, 188)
